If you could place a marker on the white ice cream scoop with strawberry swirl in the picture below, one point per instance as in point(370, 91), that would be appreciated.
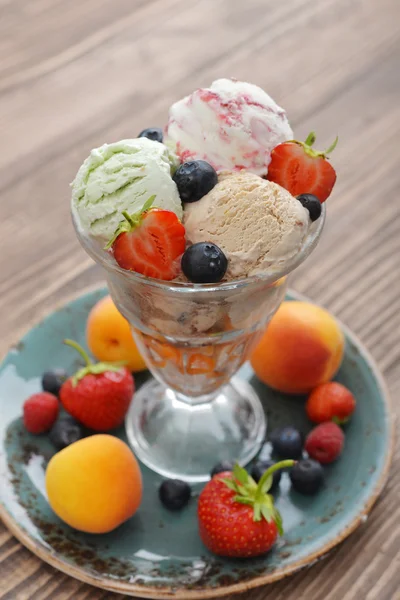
point(233, 125)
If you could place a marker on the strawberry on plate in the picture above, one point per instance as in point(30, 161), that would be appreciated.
point(330, 401)
point(149, 242)
point(237, 516)
point(300, 169)
point(99, 394)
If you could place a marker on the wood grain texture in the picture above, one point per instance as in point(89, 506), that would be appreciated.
point(76, 74)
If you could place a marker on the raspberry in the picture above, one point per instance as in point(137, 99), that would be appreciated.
point(325, 442)
point(40, 412)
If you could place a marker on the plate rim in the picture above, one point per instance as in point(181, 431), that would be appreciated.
point(50, 557)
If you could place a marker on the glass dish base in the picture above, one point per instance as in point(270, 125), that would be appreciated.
point(184, 438)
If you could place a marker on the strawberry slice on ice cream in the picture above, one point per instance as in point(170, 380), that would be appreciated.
point(149, 242)
point(300, 169)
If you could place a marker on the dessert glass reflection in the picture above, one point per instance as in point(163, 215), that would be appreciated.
point(194, 413)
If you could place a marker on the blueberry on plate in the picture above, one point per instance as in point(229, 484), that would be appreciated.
point(287, 442)
point(259, 469)
point(307, 476)
point(174, 493)
point(152, 133)
point(65, 431)
point(312, 204)
point(204, 262)
point(221, 467)
point(52, 380)
point(195, 179)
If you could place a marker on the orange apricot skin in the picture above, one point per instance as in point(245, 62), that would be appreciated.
point(95, 484)
point(109, 336)
point(301, 348)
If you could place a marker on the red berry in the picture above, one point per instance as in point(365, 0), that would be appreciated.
point(150, 243)
point(98, 395)
point(330, 401)
point(40, 412)
point(325, 442)
point(245, 528)
point(300, 169)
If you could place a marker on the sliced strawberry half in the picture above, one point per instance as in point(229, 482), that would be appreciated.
point(149, 242)
point(300, 169)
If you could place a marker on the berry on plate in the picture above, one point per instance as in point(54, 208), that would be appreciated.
point(174, 494)
point(195, 179)
point(330, 401)
point(325, 442)
point(149, 242)
point(204, 262)
point(222, 467)
point(300, 169)
point(53, 380)
point(99, 394)
point(307, 476)
point(237, 516)
point(287, 442)
point(40, 412)
point(259, 469)
point(152, 133)
point(65, 431)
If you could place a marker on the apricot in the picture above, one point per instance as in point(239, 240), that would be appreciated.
point(109, 336)
point(301, 348)
point(95, 484)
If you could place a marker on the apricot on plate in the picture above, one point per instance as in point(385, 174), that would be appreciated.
point(302, 347)
point(109, 336)
point(95, 484)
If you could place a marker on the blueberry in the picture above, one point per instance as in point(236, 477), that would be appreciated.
point(174, 493)
point(153, 133)
point(259, 469)
point(287, 442)
point(307, 476)
point(225, 465)
point(204, 262)
point(65, 431)
point(195, 179)
point(53, 380)
point(312, 204)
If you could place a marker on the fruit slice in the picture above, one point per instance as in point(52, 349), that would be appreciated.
point(300, 169)
point(149, 242)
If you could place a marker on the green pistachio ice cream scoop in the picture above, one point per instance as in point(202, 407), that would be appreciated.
point(121, 177)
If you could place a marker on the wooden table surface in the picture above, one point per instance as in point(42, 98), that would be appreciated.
point(76, 74)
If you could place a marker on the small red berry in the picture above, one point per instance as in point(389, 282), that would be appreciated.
point(325, 442)
point(40, 412)
point(330, 401)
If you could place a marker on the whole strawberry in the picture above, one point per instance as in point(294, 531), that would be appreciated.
point(98, 395)
point(237, 516)
point(330, 401)
point(40, 412)
point(325, 442)
point(300, 169)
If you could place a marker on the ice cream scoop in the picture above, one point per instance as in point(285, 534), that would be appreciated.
point(232, 125)
point(255, 222)
point(121, 177)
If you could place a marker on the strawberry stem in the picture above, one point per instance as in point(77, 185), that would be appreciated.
point(79, 349)
point(131, 221)
point(128, 218)
point(332, 146)
point(283, 464)
point(311, 138)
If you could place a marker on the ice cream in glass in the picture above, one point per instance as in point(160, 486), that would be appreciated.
point(197, 228)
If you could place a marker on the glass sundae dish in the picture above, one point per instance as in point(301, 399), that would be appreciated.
point(196, 244)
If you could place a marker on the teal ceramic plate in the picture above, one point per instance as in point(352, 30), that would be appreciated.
point(158, 554)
